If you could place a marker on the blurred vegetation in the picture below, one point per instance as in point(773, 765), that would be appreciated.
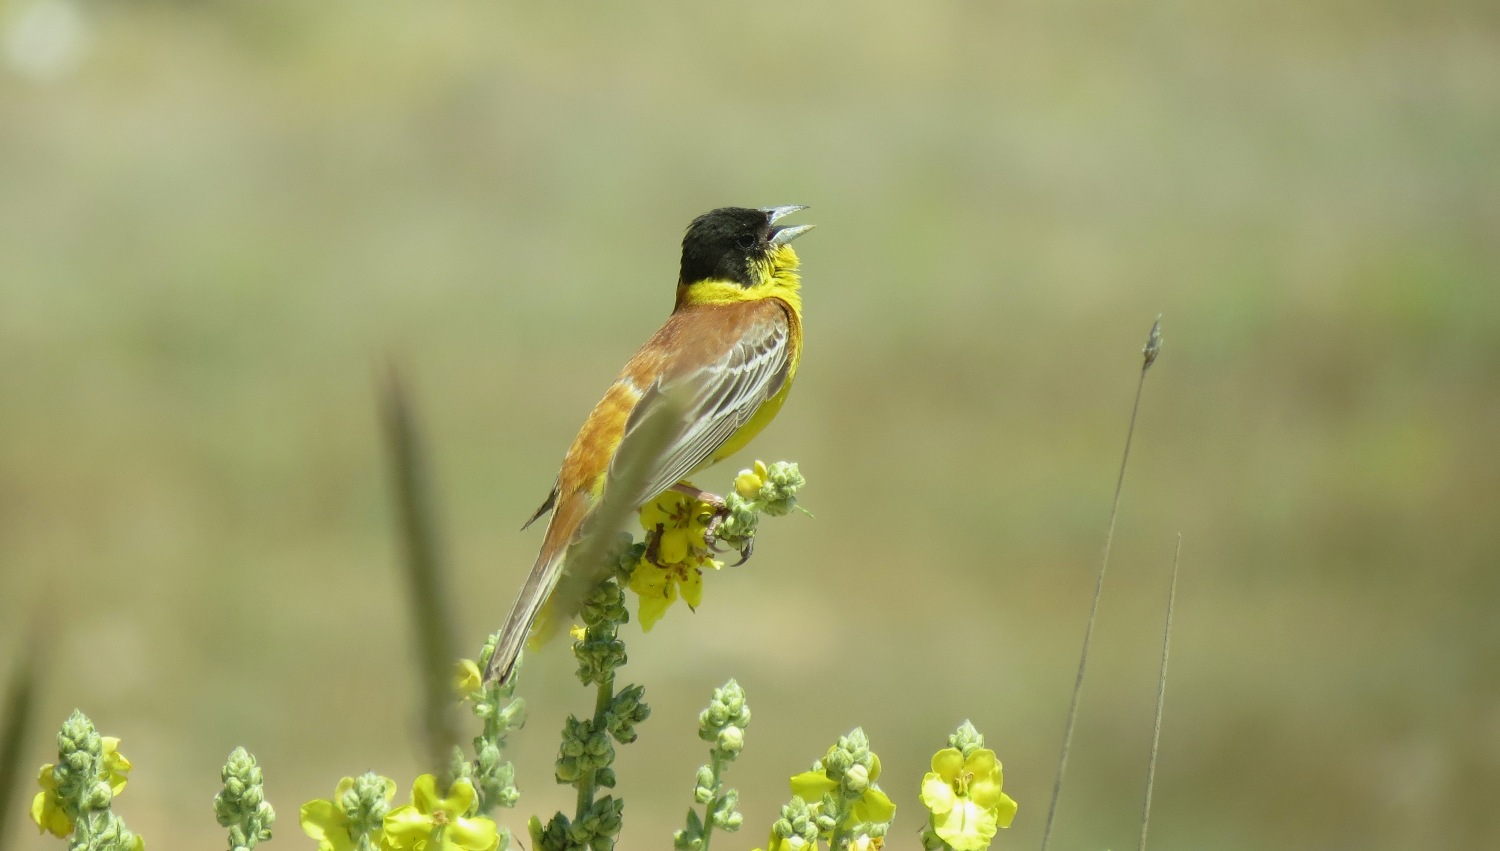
point(218, 219)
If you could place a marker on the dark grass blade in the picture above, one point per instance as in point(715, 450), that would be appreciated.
point(1151, 350)
point(20, 700)
point(1161, 696)
point(425, 571)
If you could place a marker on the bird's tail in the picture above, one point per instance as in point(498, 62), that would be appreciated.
point(545, 573)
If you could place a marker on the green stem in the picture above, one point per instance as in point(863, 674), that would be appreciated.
point(840, 837)
point(586, 785)
point(716, 765)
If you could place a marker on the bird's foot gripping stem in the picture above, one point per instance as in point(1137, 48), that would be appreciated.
point(721, 513)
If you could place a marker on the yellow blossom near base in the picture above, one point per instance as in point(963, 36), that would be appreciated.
point(46, 809)
point(326, 820)
point(873, 805)
point(964, 797)
point(430, 823)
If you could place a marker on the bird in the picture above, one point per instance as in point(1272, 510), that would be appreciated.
point(718, 371)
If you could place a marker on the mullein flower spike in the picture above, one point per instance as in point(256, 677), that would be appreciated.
point(962, 794)
point(78, 790)
point(841, 798)
point(722, 724)
point(493, 777)
point(352, 820)
point(241, 805)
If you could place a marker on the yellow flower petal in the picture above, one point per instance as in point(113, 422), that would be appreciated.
point(747, 484)
point(692, 588)
point(874, 805)
point(947, 763)
point(460, 799)
point(937, 794)
point(966, 827)
point(424, 794)
point(46, 811)
point(471, 834)
point(1005, 810)
point(406, 828)
point(114, 763)
point(327, 823)
point(673, 545)
point(466, 678)
point(811, 786)
point(651, 584)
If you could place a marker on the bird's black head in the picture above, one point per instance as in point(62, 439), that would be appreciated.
point(731, 243)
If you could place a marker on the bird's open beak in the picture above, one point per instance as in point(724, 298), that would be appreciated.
point(781, 236)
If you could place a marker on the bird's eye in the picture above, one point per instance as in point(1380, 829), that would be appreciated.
point(745, 242)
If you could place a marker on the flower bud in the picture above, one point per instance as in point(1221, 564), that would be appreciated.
point(857, 779)
point(731, 739)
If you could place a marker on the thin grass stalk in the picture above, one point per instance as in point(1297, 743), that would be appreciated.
point(1151, 350)
point(424, 567)
point(1161, 696)
point(20, 697)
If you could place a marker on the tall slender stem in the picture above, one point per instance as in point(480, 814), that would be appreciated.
point(1151, 350)
point(1161, 696)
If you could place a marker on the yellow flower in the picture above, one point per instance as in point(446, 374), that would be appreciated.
point(578, 633)
point(659, 587)
point(466, 678)
point(328, 822)
point(46, 809)
point(749, 482)
point(965, 798)
point(430, 823)
point(683, 521)
point(114, 768)
point(872, 806)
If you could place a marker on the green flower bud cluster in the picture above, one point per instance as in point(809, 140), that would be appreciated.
point(626, 710)
point(966, 739)
point(740, 526)
point(585, 749)
point(770, 490)
point(597, 830)
point(78, 772)
point(798, 826)
point(843, 796)
point(365, 805)
point(241, 805)
point(601, 652)
point(849, 762)
point(722, 724)
point(778, 495)
point(502, 713)
point(85, 778)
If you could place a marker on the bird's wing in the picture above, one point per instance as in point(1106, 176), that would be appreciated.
point(715, 394)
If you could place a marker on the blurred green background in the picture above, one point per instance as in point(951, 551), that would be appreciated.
point(218, 219)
